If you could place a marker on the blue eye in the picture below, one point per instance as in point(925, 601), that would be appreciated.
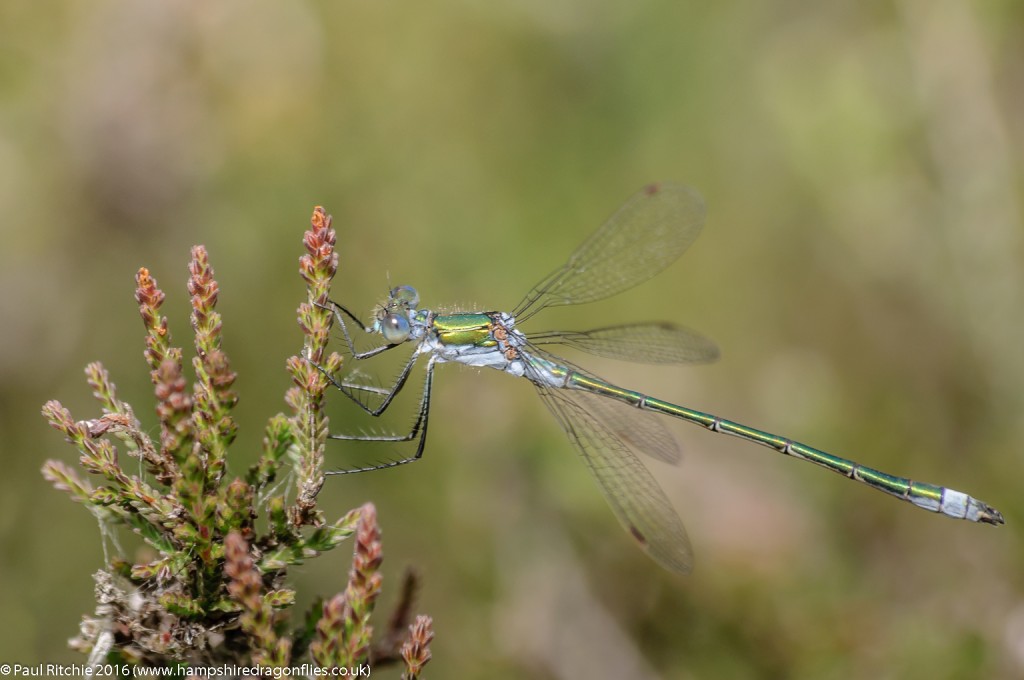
point(406, 295)
point(394, 328)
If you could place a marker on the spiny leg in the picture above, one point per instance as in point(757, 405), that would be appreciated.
point(419, 428)
point(346, 389)
point(338, 310)
point(390, 394)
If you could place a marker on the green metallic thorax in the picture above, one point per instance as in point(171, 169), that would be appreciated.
point(464, 329)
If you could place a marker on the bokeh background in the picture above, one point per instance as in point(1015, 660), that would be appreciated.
point(862, 269)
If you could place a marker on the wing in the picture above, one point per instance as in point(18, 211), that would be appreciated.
point(643, 237)
point(636, 499)
point(653, 343)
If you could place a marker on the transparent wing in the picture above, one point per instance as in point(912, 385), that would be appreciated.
point(636, 499)
point(642, 431)
point(653, 343)
point(643, 237)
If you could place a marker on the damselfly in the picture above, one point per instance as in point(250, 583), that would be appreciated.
point(608, 425)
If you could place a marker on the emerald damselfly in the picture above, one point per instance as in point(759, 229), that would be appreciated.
point(607, 424)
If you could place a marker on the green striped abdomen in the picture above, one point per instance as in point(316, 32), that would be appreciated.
point(927, 496)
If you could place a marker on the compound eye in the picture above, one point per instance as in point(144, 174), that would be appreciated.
point(406, 295)
point(395, 328)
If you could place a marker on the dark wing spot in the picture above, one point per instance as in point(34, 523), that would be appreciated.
point(641, 539)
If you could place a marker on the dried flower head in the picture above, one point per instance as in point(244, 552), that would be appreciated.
point(216, 593)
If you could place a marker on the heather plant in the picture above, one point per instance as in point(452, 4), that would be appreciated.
point(217, 591)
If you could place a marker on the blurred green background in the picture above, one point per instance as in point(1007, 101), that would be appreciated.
point(861, 270)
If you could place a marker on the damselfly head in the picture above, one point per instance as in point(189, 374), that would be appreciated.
point(394, 326)
point(404, 295)
point(392, 317)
